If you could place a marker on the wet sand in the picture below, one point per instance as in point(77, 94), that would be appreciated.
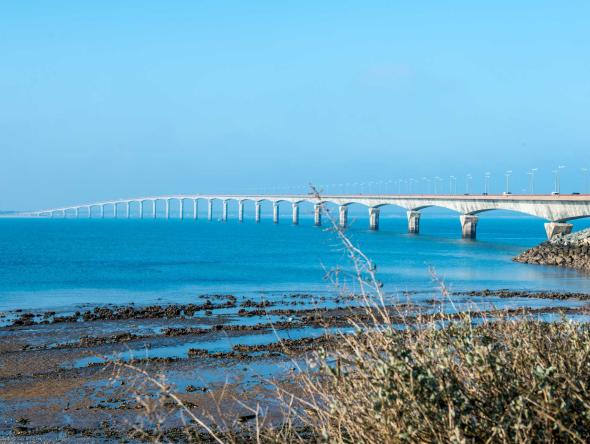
point(220, 354)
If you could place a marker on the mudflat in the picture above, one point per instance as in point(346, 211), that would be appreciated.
point(61, 374)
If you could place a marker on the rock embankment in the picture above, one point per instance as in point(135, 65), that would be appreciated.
point(570, 250)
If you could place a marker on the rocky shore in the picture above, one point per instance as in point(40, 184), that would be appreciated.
point(571, 250)
point(59, 368)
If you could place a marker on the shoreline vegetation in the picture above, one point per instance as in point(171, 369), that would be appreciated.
point(358, 367)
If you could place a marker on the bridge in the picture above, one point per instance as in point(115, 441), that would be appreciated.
point(557, 210)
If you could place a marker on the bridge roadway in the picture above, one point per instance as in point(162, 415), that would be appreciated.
point(557, 210)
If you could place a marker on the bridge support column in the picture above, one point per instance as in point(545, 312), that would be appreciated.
point(167, 208)
point(240, 211)
point(195, 209)
point(140, 209)
point(181, 202)
point(224, 213)
point(275, 212)
point(295, 210)
point(317, 215)
point(469, 226)
point(154, 208)
point(343, 216)
point(209, 210)
point(77, 213)
point(127, 212)
point(257, 212)
point(373, 218)
point(413, 222)
point(555, 228)
point(102, 211)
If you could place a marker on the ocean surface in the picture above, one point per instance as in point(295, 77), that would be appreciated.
point(57, 263)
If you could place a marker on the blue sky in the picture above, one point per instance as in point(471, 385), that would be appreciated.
point(126, 98)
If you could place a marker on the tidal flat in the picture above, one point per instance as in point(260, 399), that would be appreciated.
point(221, 353)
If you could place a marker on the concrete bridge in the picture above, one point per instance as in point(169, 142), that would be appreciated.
point(557, 210)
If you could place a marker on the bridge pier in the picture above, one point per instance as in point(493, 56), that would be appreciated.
point(413, 222)
point(78, 213)
point(295, 210)
point(167, 208)
point(374, 218)
point(224, 212)
point(257, 211)
point(127, 213)
point(153, 209)
point(195, 209)
point(468, 226)
point(275, 212)
point(343, 216)
point(209, 210)
point(181, 202)
point(317, 215)
point(102, 211)
point(240, 211)
point(140, 209)
point(555, 228)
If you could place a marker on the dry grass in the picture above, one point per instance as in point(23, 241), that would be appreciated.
point(502, 381)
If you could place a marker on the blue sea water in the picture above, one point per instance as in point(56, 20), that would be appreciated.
point(56, 263)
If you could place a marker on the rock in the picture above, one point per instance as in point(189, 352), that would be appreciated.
point(572, 250)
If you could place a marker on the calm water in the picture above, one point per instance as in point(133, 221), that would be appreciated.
point(53, 263)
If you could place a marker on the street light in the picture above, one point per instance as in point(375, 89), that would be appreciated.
point(468, 178)
point(451, 179)
point(557, 179)
point(427, 181)
point(508, 174)
point(486, 186)
point(389, 187)
point(531, 174)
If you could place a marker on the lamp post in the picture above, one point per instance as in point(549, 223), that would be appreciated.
point(468, 178)
point(427, 181)
point(558, 179)
point(486, 186)
point(531, 174)
point(508, 174)
point(435, 179)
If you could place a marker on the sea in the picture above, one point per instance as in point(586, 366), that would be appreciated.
point(55, 263)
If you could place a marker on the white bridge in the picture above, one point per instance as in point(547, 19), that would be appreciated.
point(555, 209)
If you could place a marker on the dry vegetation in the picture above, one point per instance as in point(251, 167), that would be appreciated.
point(500, 381)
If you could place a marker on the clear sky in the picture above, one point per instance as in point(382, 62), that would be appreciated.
point(110, 99)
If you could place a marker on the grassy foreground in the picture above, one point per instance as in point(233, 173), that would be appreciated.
point(502, 381)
